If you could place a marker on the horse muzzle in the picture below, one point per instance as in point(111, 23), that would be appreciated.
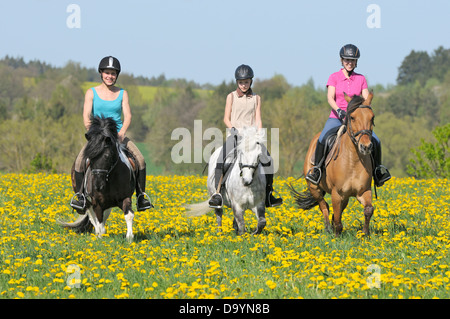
point(365, 149)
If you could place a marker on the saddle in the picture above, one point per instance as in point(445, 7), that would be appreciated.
point(125, 156)
point(332, 143)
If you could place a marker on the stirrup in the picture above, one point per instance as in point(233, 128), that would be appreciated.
point(216, 206)
point(145, 207)
point(309, 177)
point(275, 204)
point(77, 207)
point(385, 176)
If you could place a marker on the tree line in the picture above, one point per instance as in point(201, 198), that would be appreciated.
point(41, 126)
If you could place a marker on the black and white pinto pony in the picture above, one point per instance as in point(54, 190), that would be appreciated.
point(245, 186)
point(109, 180)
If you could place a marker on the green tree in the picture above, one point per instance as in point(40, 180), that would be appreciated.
point(416, 66)
point(299, 115)
point(432, 159)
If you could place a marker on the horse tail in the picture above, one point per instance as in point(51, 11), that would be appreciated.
point(81, 225)
point(304, 200)
point(199, 209)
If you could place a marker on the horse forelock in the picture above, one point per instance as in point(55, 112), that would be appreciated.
point(355, 103)
point(249, 139)
point(101, 128)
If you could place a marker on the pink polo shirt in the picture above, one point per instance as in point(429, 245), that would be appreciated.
point(354, 85)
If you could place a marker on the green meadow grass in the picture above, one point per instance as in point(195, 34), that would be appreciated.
point(177, 257)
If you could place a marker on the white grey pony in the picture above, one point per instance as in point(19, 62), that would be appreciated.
point(245, 187)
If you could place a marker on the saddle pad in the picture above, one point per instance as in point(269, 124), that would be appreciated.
point(332, 146)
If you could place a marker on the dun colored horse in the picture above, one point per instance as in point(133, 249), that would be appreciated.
point(349, 173)
point(109, 182)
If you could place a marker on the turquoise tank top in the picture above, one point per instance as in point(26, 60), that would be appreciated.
point(108, 108)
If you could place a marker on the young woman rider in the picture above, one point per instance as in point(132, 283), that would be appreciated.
point(110, 101)
point(242, 108)
point(348, 81)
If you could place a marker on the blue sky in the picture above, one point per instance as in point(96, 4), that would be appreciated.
point(205, 40)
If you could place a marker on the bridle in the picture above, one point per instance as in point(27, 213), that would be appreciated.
point(100, 172)
point(361, 133)
point(252, 166)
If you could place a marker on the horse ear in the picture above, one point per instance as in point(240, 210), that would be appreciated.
point(347, 98)
point(368, 101)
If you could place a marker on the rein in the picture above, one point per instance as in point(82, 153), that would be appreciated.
point(359, 133)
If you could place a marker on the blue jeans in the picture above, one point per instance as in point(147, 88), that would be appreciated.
point(332, 123)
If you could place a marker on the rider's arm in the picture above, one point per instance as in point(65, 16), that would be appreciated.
point(126, 110)
point(258, 120)
point(365, 93)
point(87, 108)
point(227, 115)
point(331, 95)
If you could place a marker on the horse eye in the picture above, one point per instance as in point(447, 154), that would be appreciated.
point(352, 118)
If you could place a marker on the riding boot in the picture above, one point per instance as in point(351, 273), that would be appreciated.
point(216, 199)
point(380, 173)
point(271, 201)
point(315, 174)
point(142, 202)
point(78, 201)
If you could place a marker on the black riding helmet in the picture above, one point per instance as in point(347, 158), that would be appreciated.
point(109, 62)
point(349, 51)
point(243, 72)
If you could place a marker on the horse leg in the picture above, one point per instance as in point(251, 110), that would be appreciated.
point(238, 222)
point(106, 213)
point(366, 201)
point(260, 212)
point(129, 216)
point(325, 209)
point(219, 212)
point(323, 205)
point(96, 219)
point(336, 201)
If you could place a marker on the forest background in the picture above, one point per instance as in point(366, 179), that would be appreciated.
point(41, 127)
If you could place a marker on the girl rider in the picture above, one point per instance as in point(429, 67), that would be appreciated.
point(242, 108)
point(110, 101)
point(348, 81)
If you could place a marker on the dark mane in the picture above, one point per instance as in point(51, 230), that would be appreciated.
point(354, 104)
point(100, 131)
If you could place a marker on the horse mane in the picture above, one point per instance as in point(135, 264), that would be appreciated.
point(251, 134)
point(353, 105)
point(101, 128)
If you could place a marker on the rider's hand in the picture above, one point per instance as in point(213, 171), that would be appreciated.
point(341, 114)
point(120, 136)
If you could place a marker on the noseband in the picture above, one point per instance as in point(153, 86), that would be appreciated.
point(359, 133)
point(98, 172)
point(253, 166)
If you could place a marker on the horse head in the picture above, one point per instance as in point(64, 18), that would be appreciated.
point(360, 122)
point(101, 150)
point(248, 152)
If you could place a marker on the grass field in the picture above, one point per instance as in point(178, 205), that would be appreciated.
point(406, 256)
